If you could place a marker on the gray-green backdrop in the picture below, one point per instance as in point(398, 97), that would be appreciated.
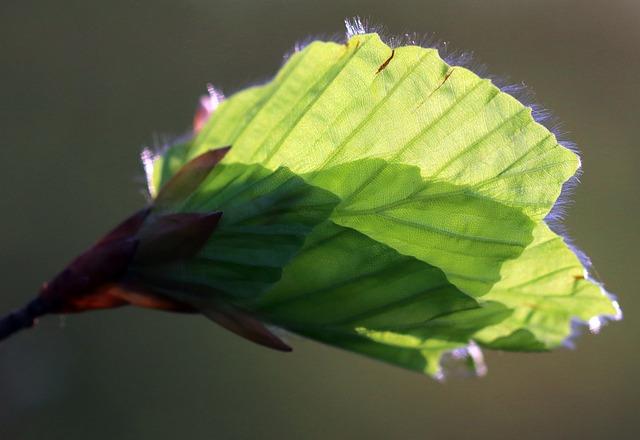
point(85, 84)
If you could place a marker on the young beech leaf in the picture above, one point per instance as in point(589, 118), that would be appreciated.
point(373, 198)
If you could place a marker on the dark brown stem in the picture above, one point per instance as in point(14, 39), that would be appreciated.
point(23, 318)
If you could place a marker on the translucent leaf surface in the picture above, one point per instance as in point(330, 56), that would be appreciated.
point(266, 218)
point(382, 201)
point(330, 107)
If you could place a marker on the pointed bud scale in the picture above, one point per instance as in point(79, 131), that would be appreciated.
point(244, 324)
point(128, 228)
point(188, 178)
point(203, 111)
point(206, 106)
point(174, 237)
point(123, 293)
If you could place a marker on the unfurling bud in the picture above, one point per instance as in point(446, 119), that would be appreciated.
point(99, 278)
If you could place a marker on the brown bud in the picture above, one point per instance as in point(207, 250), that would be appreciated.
point(106, 262)
point(174, 236)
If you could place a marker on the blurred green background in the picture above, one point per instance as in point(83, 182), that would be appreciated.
point(85, 84)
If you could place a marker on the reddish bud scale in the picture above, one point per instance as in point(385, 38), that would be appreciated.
point(97, 279)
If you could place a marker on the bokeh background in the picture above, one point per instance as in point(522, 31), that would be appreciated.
point(85, 84)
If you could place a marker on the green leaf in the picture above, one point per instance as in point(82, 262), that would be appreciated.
point(373, 198)
point(329, 107)
point(359, 290)
point(546, 287)
point(266, 218)
point(384, 202)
